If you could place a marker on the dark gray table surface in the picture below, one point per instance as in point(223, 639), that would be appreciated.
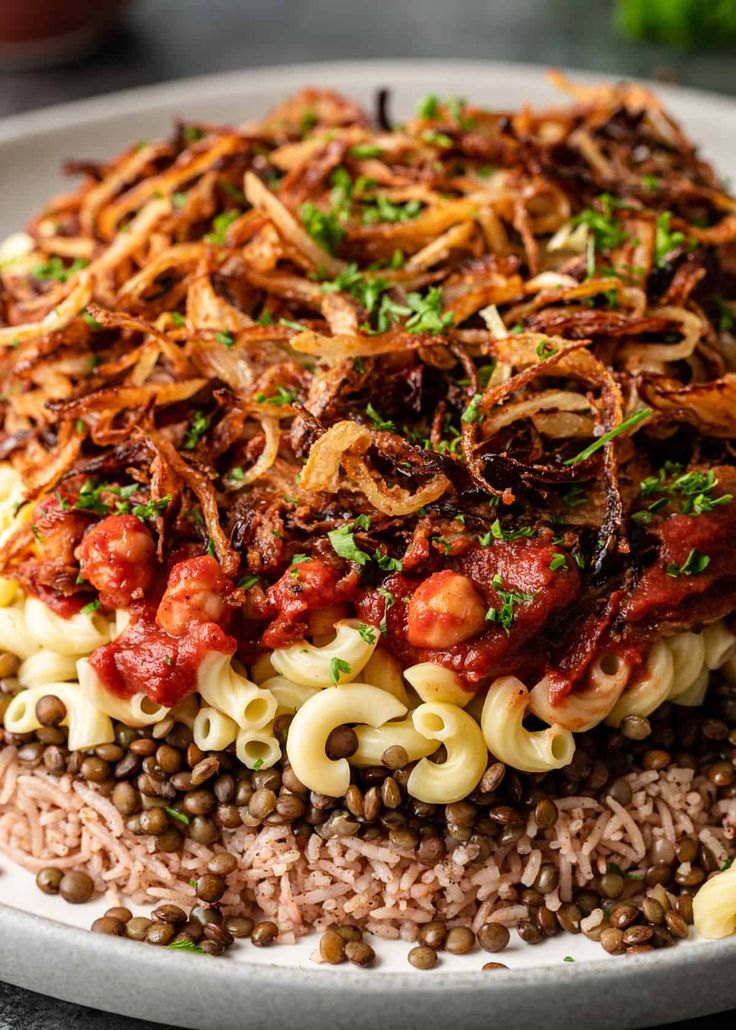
point(170, 39)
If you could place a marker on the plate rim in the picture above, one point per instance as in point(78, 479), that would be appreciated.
point(28, 930)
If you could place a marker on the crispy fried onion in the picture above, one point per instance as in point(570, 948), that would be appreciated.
point(344, 444)
point(75, 302)
point(709, 406)
point(259, 195)
point(271, 438)
point(562, 421)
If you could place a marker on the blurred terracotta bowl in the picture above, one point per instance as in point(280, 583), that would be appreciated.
point(35, 33)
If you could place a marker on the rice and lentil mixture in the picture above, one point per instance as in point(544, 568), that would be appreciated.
point(459, 392)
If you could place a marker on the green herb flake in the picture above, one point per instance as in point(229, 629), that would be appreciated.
point(545, 349)
point(505, 615)
point(247, 582)
point(693, 565)
point(366, 633)
point(363, 150)
point(428, 107)
point(220, 225)
point(197, 428)
point(387, 563)
point(378, 422)
point(323, 227)
point(179, 816)
point(343, 543)
point(186, 944)
point(389, 600)
point(90, 608)
point(568, 958)
point(629, 423)
point(92, 322)
point(177, 319)
point(559, 561)
point(427, 315)
point(666, 240)
point(152, 508)
point(55, 270)
point(471, 413)
point(338, 667)
point(226, 338)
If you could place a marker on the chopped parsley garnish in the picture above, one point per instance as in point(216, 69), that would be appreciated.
point(388, 602)
point(92, 322)
point(559, 561)
point(471, 413)
point(666, 239)
point(151, 508)
point(650, 182)
point(427, 315)
point(629, 423)
point(168, 660)
point(378, 422)
point(89, 497)
point(279, 399)
point(546, 350)
point(437, 139)
point(726, 865)
point(443, 544)
point(693, 489)
point(237, 474)
point(227, 339)
point(55, 270)
point(343, 543)
point(497, 532)
point(186, 944)
point(197, 428)
point(220, 225)
point(246, 582)
point(381, 209)
point(366, 633)
point(210, 547)
point(177, 318)
point(504, 615)
point(89, 608)
point(365, 150)
point(568, 958)
point(428, 107)
point(338, 666)
point(193, 133)
point(178, 199)
point(574, 497)
point(258, 764)
point(694, 564)
point(179, 816)
point(387, 563)
point(322, 226)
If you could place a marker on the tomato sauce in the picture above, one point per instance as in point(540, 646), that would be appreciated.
point(304, 587)
point(146, 659)
point(523, 566)
point(117, 556)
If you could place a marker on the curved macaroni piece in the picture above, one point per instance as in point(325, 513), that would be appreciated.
point(694, 696)
point(88, 727)
point(213, 731)
point(80, 634)
point(136, 711)
point(342, 659)
point(186, 710)
point(120, 622)
point(318, 717)
point(47, 667)
point(373, 741)
point(384, 671)
point(467, 754)
point(289, 696)
point(720, 643)
point(714, 906)
point(688, 661)
point(12, 496)
point(436, 683)
point(8, 591)
point(248, 705)
point(651, 687)
point(502, 723)
point(583, 709)
point(257, 750)
point(14, 635)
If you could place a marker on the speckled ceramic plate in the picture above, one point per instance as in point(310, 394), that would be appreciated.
point(565, 981)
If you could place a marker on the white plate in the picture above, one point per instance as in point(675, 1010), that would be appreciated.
point(262, 987)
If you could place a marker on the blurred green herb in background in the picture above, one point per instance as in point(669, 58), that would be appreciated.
point(679, 23)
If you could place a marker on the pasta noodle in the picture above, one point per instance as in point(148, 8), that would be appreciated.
point(584, 708)
point(137, 710)
point(467, 754)
point(47, 667)
point(79, 634)
point(339, 661)
point(435, 683)
point(714, 906)
point(88, 726)
point(374, 740)
point(213, 731)
point(502, 722)
point(257, 750)
point(383, 670)
point(318, 717)
point(289, 696)
point(650, 689)
point(248, 705)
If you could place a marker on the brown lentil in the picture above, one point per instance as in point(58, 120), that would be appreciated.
point(460, 940)
point(137, 927)
point(489, 967)
point(693, 878)
point(239, 926)
point(204, 830)
point(210, 888)
point(49, 879)
point(612, 941)
point(547, 922)
point(332, 948)
point(390, 793)
point(660, 872)
point(154, 821)
point(108, 925)
point(637, 935)
point(653, 911)
point(636, 727)
point(623, 916)
point(50, 710)
point(342, 742)
point(422, 957)
point(264, 933)
point(262, 803)
point(222, 864)
point(433, 934)
point(143, 746)
point(394, 757)
point(684, 905)
point(656, 759)
point(638, 949)
point(76, 887)
point(169, 913)
point(677, 925)
point(159, 934)
point(348, 932)
point(360, 953)
point(118, 912)
point(529, 932)
point(493, 937)
point(621, 791)
point(548, 878)
point(170, 840)
point(569, 916)
point(290, 807)
point(611, 885)
point(545, 814)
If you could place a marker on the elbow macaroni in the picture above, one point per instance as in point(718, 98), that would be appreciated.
point(502, 722)
point(313, 666)
point(248, 705)
point(213, 731)
point(374, 740)
point(47, 667)
point(80, 634)
point(136, 711)
point(318, 717)
point(467, 754)
point(257, 749)
point(714, 906)
point(88, 726)
point(436, 683)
